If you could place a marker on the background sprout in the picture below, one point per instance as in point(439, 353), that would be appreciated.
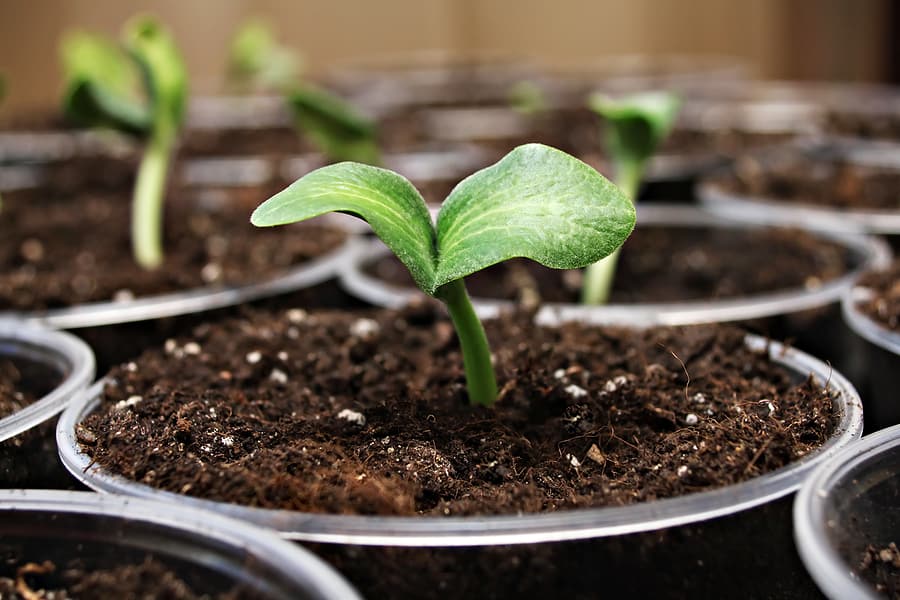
point(537, 202)
point(101, 91)
point(527, 98)
point(634, 127)
point(257, 62)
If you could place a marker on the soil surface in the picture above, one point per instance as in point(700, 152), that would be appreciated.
point(668, 264)
point(880, 566)
point(48, 581)
point(58, 250)
point(816, 179)
point(367, 413)
point(884, 304)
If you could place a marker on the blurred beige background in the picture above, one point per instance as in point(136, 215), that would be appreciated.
point(805, 39)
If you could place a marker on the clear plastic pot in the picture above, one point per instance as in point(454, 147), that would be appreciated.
point(64, 366)
point(751, 209)
point(723, 529)
point(848, 503)
point(879, 354)
point(211, 553)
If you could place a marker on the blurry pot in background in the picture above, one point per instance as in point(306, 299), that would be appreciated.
point(40, 371)
point(872, 311)
point(845, 519)
point(103, 546)
point(707, 250)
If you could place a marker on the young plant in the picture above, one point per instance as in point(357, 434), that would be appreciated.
point(333, 125)
point(141, 92)
point(634, 128)
point(527, 98)
point(537, 202)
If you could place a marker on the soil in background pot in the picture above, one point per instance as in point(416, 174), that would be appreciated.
point(880, 566)
point(819, 180)
point(883, 306)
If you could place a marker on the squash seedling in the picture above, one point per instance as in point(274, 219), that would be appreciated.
point(331, 123)
point(142, 92)
point(537, 202)
point(634, 128)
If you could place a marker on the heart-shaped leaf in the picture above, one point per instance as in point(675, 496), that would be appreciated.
point(538, 203)
point(387, 201)
point(636, 124)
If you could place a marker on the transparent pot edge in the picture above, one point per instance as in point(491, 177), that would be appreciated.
point(830, 572)
point(872, 253)
point(864, 326)
point(67, 353)
point(304, 569)
point(753, 209)
point(196, 300)
point(507, 529)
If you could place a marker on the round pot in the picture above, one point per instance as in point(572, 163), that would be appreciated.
point(878, 351)
point(60, 365)
point(751, 519)
point(845, 515)
point(809, 316)
point(210, 553)
point(716, 196)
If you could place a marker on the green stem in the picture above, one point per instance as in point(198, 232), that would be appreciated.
point(598, 277)
point(147, 202)
point(480, 378)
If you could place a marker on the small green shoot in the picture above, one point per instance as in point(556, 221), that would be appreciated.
point(258, 63)
point(635, 126)
point(537, 202)
point(527, 98)
point(141, 91)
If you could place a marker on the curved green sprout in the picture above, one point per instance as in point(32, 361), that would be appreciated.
point(142, 92)
point(634, 127)
point(537, 202)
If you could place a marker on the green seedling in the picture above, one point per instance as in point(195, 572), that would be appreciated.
point(139, 89)
point(527, 98)
point(332, 124)
point(257, 62)
point(537, 202)
point(635, 126)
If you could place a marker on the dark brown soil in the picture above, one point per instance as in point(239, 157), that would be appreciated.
point(880, 566)
point(669, 264)
point(150, 579)
point(367, 413)
point(884, 305)
point(816, 179)
point(58, 250)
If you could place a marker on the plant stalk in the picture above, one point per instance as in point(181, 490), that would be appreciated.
point(598, 277)
point(147, 202)
point(480, 378)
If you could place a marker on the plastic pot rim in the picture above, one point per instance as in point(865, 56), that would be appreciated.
point(56, 349)
point(830, 572)
point(297, 564)
point(866, 327)
point(504, 529)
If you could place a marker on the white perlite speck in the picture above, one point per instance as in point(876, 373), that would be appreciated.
point(227, 441)
point(682, 471)
point(610, 386)
point(691, 419)
point(192, 348)
point(699, 398)
point(170, 346)
point(296, 315)
point(364, 328)
point(253, 357)
point(575, 391)
point(352, 416)
point(131, 401)
point(573, 460)
point(278, 376)
point(559, 373)
point(282, 356)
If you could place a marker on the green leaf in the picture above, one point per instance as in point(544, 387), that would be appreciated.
point(538, 203)
point(387, 201)
point(256, 60)
point(162, 67)
point(102, 85)
point(334, 126)
point(636, 124)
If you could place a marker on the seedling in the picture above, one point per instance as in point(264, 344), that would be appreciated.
point(334, 126)
point(141, 91)
point(537, 202)
point(634, 128)
point(527, 98)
